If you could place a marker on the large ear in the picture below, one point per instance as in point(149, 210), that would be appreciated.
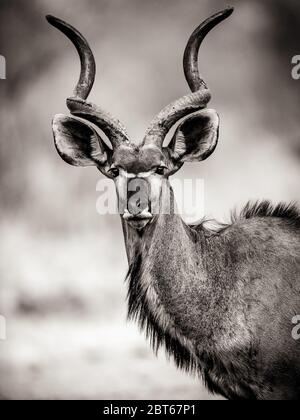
point(78, 143)
point(196, 137)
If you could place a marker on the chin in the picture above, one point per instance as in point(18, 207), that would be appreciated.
point(138, 223)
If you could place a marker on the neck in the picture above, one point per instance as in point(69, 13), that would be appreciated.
point(180, 295)
point(140, 242)
point(164, 278)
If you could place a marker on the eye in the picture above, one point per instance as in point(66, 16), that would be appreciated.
point(114, 172)
point(160, 170)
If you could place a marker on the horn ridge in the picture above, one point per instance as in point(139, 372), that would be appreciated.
point(111, 126)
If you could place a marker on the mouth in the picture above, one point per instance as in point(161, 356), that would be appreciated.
point(138, 221)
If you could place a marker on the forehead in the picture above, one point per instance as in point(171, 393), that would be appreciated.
point(135, 159)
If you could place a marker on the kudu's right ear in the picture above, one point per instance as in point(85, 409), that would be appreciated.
point(196, 137)
point(78, 143)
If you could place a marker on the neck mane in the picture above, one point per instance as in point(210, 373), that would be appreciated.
point(148, 279)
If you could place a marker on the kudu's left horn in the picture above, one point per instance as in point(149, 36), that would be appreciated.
point(200, 96)
point(190, 58)
point(77, 104)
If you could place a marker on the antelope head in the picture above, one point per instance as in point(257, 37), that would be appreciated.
point(143, 168)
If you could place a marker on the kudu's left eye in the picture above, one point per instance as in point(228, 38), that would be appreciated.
point(114, 172)
point(160, 170)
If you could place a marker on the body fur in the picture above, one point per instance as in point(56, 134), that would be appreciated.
point(223, 304)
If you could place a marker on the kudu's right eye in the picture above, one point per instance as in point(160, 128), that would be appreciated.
point(114, 172)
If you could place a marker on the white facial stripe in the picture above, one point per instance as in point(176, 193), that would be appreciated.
point(138, 175)
point(121, 186)
point(144, 174)
point(155, 183)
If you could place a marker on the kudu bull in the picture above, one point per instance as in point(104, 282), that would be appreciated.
point(220, 301)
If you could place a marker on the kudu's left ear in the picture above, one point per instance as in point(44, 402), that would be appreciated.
point(196, 137)
point(78, 143)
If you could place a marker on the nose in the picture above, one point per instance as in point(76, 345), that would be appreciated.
point(138, 196)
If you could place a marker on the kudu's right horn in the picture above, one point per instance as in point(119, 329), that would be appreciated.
point(112, 127)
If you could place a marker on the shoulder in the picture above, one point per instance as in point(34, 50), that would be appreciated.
point(260, 215)
point(287, 214)
point(258, 224)
point(265, 231)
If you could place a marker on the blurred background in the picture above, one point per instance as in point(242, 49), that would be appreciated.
point(62, 266)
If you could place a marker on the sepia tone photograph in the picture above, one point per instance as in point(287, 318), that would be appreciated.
point(150, 216)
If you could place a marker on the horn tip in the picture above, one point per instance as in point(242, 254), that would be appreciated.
point(50, 18)
point(228, 11)
point(54, 21)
